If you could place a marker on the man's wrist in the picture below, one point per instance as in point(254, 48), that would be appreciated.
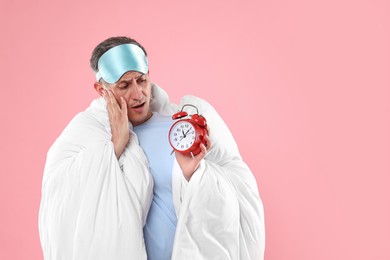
point(189, 176)
point(118, 148)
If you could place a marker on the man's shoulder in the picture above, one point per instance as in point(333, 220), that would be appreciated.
point(87, 120)
point(202, 105)
point(87, 123)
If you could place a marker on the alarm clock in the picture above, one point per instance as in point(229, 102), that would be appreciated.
point(188, 132)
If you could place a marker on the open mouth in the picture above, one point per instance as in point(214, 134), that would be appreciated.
point(138, 106)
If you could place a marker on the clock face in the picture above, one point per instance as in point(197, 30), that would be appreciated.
point(182, 135)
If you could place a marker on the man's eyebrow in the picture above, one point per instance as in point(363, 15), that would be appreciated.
point(127, 81)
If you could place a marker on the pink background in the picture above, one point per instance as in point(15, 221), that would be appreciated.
point(304, 87)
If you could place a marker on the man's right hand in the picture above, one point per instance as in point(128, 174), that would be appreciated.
point(119, 121)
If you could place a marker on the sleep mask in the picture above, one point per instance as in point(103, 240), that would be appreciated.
point(121, 59)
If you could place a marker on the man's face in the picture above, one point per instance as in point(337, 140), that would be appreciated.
point(135, 87)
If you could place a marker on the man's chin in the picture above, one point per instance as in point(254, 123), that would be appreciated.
point(139, 119)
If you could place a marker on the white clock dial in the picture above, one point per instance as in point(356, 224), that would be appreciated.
point(182, 135)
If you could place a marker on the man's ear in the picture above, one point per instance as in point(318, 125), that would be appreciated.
point(98, 86)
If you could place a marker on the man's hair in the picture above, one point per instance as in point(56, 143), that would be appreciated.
point(108, 44)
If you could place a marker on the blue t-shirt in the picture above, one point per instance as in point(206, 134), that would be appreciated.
point(160, 227)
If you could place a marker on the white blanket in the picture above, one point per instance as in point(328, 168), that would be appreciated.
point(94, 207)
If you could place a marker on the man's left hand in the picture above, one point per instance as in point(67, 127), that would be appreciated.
point(189, 164)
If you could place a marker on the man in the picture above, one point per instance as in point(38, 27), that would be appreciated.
point(113, 190)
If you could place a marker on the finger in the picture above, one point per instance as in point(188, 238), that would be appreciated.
point(203, 149)
point(107, 98)
point(123, 105)
point(208, 143)
point(105, 95)
point(113, 100)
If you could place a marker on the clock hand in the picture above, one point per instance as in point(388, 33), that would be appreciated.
point(184, 134)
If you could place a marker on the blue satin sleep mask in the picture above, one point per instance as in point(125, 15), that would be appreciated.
point(121, 59)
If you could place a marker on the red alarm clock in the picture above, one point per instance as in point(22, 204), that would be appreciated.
point(188, 133)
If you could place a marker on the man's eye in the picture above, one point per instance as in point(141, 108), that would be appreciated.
point(123, 86)
point(141, 80)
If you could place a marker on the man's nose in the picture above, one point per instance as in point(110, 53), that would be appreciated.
point(136, 92)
